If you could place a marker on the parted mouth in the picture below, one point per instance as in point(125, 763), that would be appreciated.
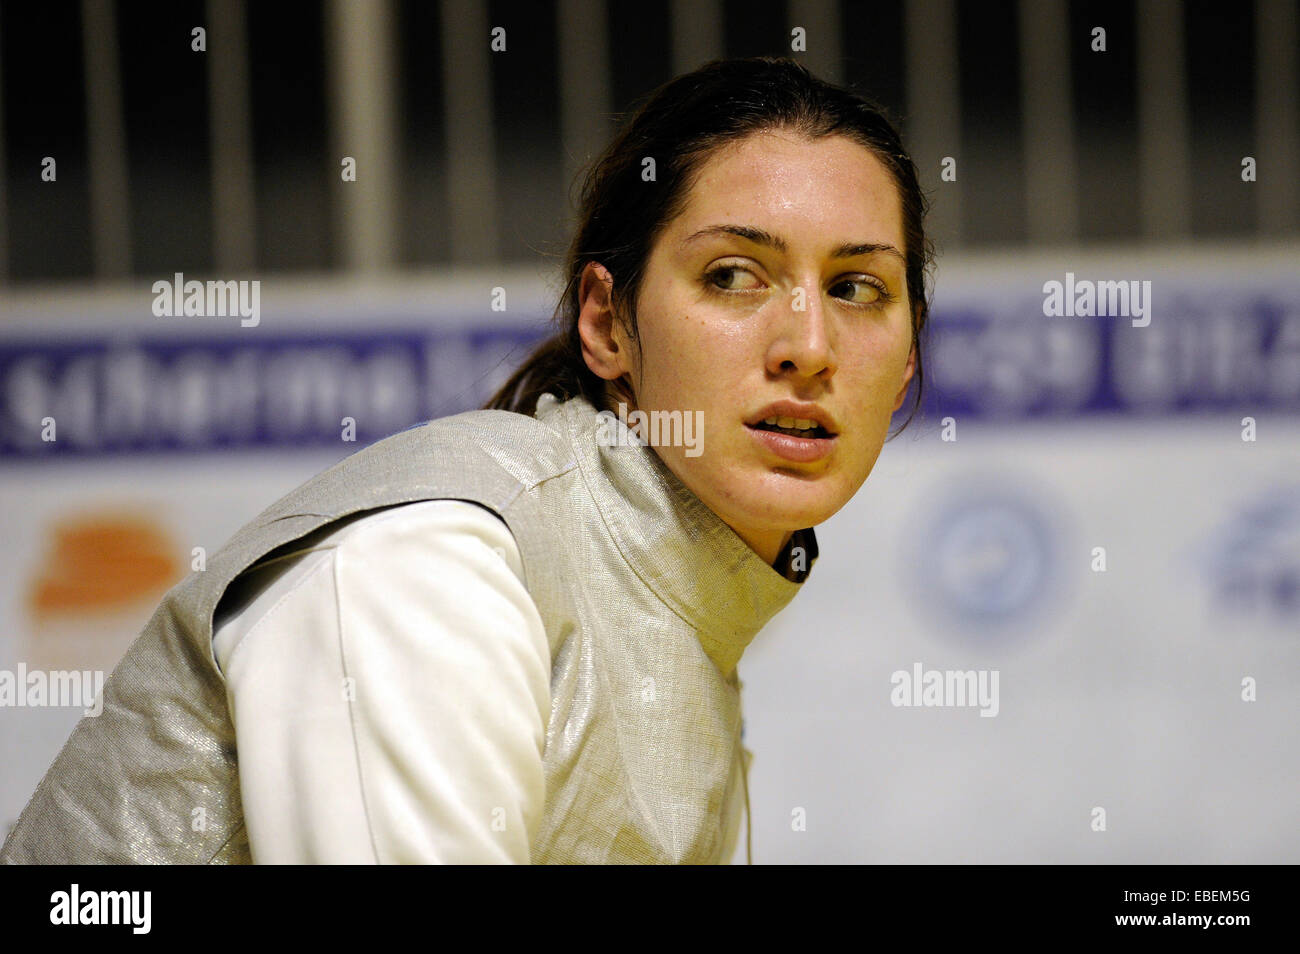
point(796, 418)
point(799, 428)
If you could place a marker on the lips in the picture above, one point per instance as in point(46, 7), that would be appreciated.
point(789, 414)
point(803, 448)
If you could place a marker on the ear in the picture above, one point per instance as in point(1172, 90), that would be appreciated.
point(605, 344)
point(908, 370)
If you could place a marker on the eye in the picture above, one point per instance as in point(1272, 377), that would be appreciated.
point(720, 277)
point(869, 291)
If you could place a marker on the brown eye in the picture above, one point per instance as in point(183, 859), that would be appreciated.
point(868, 292)
point(722, 277)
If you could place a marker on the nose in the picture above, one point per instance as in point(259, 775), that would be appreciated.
point(802, 341)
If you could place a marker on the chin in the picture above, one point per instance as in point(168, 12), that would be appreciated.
point(770, 499)
point(781, 512)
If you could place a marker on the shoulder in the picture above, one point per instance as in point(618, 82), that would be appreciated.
point(375, 539)
point(404, 557)
point(393, 534)
point(529, 448)
point(485, 454)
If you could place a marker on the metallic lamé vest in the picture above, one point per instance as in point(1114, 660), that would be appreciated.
point(647, 597)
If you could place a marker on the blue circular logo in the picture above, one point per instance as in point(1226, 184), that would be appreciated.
point(986, 557)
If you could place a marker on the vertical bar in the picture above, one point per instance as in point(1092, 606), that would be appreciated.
point(233, 195)
point(1276, 135)
point(696, 33)
point(4, 191)
point(1051, 180)
point(110, 229)
point(585, 111)
point(933, 106)
point(821, 20)
point(1164, 140)
point(361, 87)
point(471, 145)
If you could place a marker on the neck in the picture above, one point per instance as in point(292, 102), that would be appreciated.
point(767, 545)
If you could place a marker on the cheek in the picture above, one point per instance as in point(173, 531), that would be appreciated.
point(883, 360)
point(694, 344)
point(671, 365)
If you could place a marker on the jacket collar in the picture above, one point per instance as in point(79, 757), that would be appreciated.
point(684, 552)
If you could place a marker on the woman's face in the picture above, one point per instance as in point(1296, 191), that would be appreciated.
point(782, 280)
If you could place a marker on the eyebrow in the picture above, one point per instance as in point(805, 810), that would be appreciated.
point(760, 237)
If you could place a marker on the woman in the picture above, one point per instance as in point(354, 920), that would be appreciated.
point(512, 634)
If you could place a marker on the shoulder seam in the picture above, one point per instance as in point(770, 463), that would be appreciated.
point(270, 612)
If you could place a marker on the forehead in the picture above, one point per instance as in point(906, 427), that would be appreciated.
point(824, 192)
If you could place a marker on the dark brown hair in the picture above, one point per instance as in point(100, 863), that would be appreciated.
point(680, 125)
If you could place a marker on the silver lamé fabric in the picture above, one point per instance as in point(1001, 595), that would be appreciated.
point(643, 753)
